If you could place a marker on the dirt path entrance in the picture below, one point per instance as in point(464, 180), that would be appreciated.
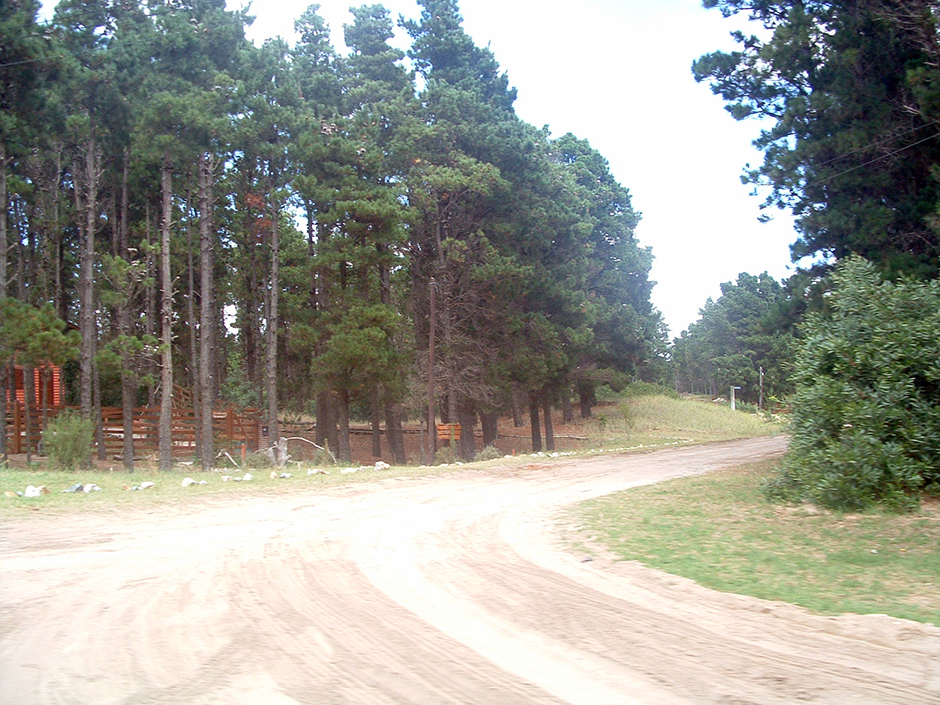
point(453, 589)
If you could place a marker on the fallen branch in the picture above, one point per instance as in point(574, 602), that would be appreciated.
point(225, 453)
point(307, 440)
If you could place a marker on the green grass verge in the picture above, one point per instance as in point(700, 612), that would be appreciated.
point(167, 489)
point(660, 420)
point(720, 531)
point(634, 423)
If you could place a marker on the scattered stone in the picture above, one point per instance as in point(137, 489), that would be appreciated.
point(187, 481)
point(91, 488)
point(247, 477)
point(382, 465)
point(32, 491)
point(141, 486)
point(226, 478)
point(284, 476)
point(347, 471)
point(10, 494)
point(74, 488)
point(317, 471)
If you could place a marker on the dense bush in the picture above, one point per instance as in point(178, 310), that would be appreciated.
point(69, 441)
point(866, 413)
point(488, 453)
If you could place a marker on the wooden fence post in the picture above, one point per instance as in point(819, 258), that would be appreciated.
point(17, 428)
point(230, 424)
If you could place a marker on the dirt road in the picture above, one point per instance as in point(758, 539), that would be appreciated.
point(452, 589)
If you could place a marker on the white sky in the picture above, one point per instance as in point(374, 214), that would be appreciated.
point(617, 73)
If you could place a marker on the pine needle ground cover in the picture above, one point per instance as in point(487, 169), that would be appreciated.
point(720, 531)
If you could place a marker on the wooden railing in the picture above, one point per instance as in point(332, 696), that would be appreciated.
point(230, 429)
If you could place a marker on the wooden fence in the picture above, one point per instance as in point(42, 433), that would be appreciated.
point(230, 429)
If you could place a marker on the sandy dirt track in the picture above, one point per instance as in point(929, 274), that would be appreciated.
point(450, 589)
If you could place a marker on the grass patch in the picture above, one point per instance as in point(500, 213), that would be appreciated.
point(718, 530)
point(660, 420)
point(167, 489)
point(632, 423)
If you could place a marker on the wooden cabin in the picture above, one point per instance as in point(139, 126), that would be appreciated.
point(53, 386)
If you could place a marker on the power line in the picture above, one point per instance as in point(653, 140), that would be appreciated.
point(867, 148)
point(870, 161)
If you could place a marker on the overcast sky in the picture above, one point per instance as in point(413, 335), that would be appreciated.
point(617, 73)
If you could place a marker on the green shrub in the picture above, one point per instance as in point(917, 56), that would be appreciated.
point(488, 453)
point(444, 456)
point(69, 440)
point(866, 413)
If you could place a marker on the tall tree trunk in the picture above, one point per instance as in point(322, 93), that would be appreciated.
point(394, 435)
point(274, 287)
point(490, 423)
point(58, 251)
point(128, 398)
point(311, 254)
point(166, 317)
point(3, 288)
point(206, 303)
point(587, 399)
point(327, 412)
point(150, 308)
point(466, 417)
point(191, 320)
point(376, 421)
point(128, 377)
point(343, 450)
point(549, 426)
point(87, 318)
point(44, 374)
point(28, 392)
point(516, 405)
point(566, 409)
point(534, 424)
point(96, 410)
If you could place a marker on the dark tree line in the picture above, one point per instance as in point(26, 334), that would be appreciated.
point(851, 92)
point(848, 94)
point(742, 339)
point(267, 225)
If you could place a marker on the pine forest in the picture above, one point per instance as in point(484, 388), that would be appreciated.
point(299, 229)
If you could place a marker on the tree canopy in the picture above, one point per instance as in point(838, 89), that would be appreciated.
point(849, 91)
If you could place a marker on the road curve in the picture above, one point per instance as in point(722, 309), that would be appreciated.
point(449, 589)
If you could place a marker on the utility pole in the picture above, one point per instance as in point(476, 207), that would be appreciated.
point(732, 397)
point(760, 404)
